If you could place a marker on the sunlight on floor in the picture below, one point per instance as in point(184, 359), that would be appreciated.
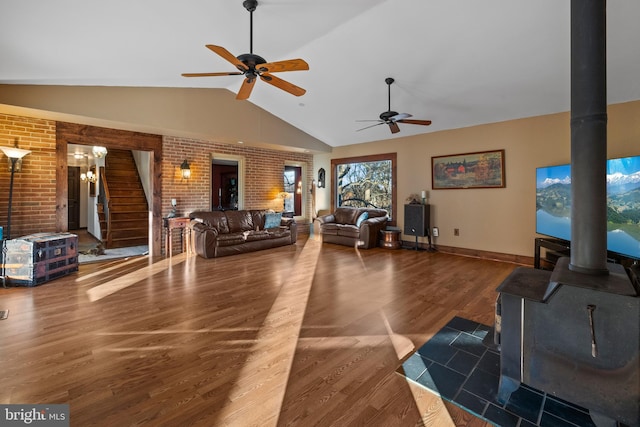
point(269, 363)
point(130, 279)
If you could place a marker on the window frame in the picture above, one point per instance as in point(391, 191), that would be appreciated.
point(363, 159)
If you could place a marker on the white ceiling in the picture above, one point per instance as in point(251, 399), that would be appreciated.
point(456, 62)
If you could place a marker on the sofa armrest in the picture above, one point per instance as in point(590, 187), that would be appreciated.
point(326, 218)
point(204, 239)
point(370, 230)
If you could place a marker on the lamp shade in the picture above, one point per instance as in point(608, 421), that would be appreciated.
point(14, 153)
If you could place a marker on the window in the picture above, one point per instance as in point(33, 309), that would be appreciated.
point(367, 181)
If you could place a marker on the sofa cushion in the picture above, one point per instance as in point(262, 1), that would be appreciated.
point(348, 230)
point(230, 239)
point(258, 219)
point(362, 218)
point(329, 228)
point(346, 215)
point(239, 221)
point(272, 220)
point(252, 236)
point(375, 213)
point(279, 232)
point(215, 219)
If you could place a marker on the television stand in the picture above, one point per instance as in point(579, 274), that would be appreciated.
point(554, 249)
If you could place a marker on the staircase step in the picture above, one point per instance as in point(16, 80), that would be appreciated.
point(130, 215)
point(122, 233)
point(128, 207)
point(123, 243)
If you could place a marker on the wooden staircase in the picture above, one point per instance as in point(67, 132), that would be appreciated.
point(124, 221)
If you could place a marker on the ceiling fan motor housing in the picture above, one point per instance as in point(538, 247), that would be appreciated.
point(387, 115)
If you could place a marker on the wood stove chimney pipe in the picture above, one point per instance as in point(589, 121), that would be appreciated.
point(588, 137)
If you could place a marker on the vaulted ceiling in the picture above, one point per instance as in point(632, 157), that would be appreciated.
point(457, 63)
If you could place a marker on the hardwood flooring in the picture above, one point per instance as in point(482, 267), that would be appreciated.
point(302, 335)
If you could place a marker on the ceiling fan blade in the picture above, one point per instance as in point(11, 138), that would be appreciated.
point(282, 84)
point(380, 121)
point(233, 73)
point(288, 65)
point(224, 53)
point(415, 122)
point(400, 116)
point(367, 127)
point(246, 88)
point(394, 127)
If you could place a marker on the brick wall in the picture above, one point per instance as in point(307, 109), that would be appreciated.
point(34, 189)
point(264, 170)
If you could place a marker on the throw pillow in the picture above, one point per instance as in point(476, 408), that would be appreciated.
point(272, 220)
point(363, 217)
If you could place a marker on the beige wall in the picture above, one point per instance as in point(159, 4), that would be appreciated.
point(209, 114)
point(494, 220)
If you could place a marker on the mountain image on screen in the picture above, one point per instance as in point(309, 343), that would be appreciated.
point(553, 204)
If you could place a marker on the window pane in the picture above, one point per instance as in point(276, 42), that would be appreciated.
point(365, 184)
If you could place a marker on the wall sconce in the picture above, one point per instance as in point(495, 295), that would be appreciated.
point(299, 188)
point(321, 178)
point(88, 177)
point(14, 154)
point(99, 152)
point(186, 169)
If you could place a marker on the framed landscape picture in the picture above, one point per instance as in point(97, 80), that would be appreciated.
point(483, 169)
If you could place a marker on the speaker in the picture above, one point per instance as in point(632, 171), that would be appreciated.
point(416, 220)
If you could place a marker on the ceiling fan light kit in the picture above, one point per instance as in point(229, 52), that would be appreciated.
point(253, 66)
point(392, 118)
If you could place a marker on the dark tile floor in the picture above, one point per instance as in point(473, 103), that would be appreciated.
point(459, 367)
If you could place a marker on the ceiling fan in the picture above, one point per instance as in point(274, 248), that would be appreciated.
point(392, 118)
point(253, 66)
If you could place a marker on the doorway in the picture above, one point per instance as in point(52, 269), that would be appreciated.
point(226, 182)
point(73, 185)
point(293, 186)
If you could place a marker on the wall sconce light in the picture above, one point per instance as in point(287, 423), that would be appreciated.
point(88, 177)
point(186, 169)
point(99, 152)
point(14, 154)
point(321, 178)
point(299, 188)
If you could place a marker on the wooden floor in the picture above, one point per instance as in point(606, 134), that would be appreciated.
point(303, 335)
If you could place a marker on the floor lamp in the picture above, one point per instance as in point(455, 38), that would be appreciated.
point(14, 154)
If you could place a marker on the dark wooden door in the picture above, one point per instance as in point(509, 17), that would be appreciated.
point(73, 200)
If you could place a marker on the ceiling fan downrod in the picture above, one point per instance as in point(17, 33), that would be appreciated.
point(388, 81)
point(251, 6)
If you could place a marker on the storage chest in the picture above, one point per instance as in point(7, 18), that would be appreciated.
point(37, 258)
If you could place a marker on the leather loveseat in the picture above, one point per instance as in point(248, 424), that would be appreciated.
point(357, 227)
point(222, 233)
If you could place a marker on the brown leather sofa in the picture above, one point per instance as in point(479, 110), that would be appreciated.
point(342, 227)
point(222, 233)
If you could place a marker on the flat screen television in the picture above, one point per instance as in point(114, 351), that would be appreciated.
point(553, 204)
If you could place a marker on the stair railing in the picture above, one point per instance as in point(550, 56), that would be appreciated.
point(105, 199)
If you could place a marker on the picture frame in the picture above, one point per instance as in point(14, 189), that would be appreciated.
point(482, 169)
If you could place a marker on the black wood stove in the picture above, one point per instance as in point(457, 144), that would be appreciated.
point(575, 332)
point(573, 337)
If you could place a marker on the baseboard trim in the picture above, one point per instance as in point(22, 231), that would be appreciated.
point(476, 253)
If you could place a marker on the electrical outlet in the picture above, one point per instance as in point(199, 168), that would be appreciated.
point(435, 232)
point(456, 231)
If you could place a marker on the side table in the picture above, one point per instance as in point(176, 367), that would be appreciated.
point(390, 238)
point(177, 223)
